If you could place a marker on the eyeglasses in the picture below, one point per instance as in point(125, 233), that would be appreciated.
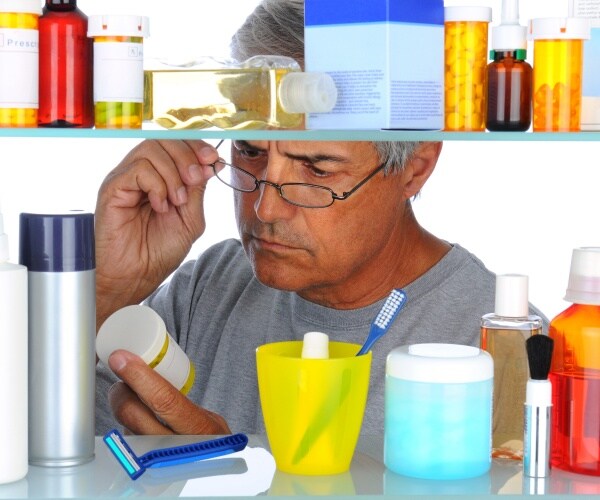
point(299, 194)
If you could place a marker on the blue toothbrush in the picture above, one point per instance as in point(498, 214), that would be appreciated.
point(135, 466)
point(382, 322)
point(380, 325)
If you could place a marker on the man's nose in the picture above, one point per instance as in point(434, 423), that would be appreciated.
point(270, 205)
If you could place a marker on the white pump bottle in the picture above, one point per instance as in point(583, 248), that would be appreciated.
point(13, 365)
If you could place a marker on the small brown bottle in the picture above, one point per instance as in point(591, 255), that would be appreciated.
point(509, 76)
point(509, 80)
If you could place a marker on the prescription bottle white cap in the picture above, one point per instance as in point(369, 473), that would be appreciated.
point(468, 13)
point(118, 25)
point(584, 277)
point(21, 6)
point(140, 330)
point(559, 28)
point(440, 363)
point(301, 92)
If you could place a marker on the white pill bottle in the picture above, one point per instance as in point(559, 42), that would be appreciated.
point(140, 330)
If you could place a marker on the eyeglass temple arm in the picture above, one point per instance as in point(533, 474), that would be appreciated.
point(345, 194)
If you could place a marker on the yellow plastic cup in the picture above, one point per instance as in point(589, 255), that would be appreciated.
point(313, 408)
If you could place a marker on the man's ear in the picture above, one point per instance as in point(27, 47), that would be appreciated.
point(420, 166)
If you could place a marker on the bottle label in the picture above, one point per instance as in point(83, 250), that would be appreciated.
point(19, 59)
point(118, 72)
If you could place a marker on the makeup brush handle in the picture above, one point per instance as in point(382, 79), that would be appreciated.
point(536, 444)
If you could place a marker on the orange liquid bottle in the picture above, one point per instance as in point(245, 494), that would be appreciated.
point(575, 370)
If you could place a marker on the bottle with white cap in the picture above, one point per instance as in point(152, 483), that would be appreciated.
point(13, 365)
point(575, 369)
point(264, 91)
point(438, 408)
point(509, 76)
point(503, 335)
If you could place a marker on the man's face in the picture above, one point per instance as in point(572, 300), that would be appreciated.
point(318, 252)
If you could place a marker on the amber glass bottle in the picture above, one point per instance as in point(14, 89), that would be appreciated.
point(66, 62)
point(509, 83)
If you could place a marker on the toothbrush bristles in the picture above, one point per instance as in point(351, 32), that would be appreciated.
point(389, 309)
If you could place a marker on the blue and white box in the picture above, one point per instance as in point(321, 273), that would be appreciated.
point(386, 58)
point(590, 101)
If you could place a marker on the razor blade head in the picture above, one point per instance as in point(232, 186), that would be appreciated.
point(124, 454)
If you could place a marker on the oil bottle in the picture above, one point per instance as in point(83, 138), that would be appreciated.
point(261, 92)
point(503, 335)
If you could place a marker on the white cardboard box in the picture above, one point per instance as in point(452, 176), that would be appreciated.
point(590, 103)
point(387, 60)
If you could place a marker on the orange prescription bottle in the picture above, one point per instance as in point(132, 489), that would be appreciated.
point(557, 69)
point(465, 63)
point(19, 59)
point(575, 370)
point(118, 69)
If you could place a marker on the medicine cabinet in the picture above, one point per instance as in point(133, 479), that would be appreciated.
point(519, 201)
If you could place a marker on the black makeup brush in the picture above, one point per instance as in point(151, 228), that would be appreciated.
point(538, 402)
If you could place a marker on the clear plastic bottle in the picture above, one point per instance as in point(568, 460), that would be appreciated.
point(13, 365)
point(19, 60)
point(66, 61)
point(509, 76)
point(503, 335)
point(261, 92)
point(575, 370)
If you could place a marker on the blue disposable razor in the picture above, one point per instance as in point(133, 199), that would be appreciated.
point(135, 466)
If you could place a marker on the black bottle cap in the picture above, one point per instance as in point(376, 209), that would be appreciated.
point(61, 5)
point(57, 242)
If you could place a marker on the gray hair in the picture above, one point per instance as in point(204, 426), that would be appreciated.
point(276, 27)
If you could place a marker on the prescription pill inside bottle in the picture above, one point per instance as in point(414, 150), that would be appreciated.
point(558, 56)
point(118, 69)
point(19, 62)
point(465, 62)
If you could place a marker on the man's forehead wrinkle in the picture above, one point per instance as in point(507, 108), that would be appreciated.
point(299, 154)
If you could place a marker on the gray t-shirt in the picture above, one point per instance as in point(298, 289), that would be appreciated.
point(219, 313)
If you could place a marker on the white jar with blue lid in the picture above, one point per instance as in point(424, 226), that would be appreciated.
point(438, 411)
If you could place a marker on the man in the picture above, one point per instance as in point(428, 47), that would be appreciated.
point(296, 269)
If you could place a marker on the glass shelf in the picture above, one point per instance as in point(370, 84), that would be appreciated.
point(306, 135)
